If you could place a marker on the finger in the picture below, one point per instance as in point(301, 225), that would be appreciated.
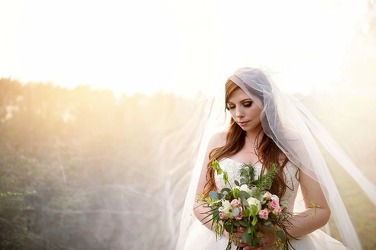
point(251, 248)
point(244, 245)
point(248, 247)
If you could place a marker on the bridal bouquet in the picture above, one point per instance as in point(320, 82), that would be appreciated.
point(248, 204)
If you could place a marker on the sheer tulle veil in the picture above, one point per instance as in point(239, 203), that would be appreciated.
point(301, 138)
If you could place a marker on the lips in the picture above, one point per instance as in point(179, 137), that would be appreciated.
point(243, 123)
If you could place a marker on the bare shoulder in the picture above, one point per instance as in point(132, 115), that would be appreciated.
point(217, 140)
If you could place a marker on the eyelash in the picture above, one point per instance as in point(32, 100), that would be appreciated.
point(245, 104)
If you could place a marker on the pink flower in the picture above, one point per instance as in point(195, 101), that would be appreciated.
point(264, 213)
point(273, 204)
point(277, 210)
point(267, 196)
point(222, 215)
point(235, 202)
point(240, 215)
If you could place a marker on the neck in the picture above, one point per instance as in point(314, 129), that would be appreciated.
point(255, 135)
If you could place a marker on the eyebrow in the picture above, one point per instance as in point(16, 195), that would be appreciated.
point(244, 100)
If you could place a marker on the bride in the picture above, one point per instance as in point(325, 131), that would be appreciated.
point(267, 127)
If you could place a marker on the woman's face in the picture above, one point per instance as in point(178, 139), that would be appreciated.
point(244, 111)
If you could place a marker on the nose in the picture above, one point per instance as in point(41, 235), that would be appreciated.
point(239, 112)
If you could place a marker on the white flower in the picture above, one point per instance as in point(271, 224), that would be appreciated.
point(254, 202)
point(275, 198)
point(245, 188)
point(226, 209)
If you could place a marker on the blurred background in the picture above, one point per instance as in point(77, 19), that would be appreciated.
point(103, 105)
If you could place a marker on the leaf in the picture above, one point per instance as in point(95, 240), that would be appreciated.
point(237, 223)
point(268, 223)
point(251, 229)
point(229, 245)
point(216, 167)
point(244, 195)
point(229, 227)
point(247, 238)
point(247, 213)
point(266, 180)
point(213, 195)
point(212, 215)
point(254, 210)
point(235, 193)
point(215, 213)
point(242, 181)
point(280, 234)
point(263, 228)
point(235, 212)
point(225, 177)
point(254, 221)
point(258, 196)
point(227, 190)
point(242, 223)
point(257, 242)
point(237, 183)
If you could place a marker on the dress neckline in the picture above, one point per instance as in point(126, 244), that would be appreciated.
point(242, 163)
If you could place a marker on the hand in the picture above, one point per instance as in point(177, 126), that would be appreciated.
point(238, 238)
point(268, 240)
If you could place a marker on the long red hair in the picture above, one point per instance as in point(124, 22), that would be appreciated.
point(268, 152)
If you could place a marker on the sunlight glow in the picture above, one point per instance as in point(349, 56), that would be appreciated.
point(175, 46)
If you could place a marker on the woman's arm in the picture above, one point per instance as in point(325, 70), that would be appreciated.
point(316, 213)
point(217, 140)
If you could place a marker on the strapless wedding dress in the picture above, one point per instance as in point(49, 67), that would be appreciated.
point(201, 238)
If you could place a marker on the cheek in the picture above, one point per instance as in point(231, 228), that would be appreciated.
point(256, 112)
point(255, 117)
point(232, 113)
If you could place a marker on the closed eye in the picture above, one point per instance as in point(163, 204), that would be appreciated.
point(230, 106)
point(247, 104)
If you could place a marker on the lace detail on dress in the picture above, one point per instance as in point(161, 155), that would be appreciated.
point(232, 167)
point(292, 182)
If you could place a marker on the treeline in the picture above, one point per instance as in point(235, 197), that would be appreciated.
point(82, 169)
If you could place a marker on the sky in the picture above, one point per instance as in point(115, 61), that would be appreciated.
point(174, 45)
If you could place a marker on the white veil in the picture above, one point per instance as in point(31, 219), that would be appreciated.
point(296, 132)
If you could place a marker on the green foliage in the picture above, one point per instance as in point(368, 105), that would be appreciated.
point(266, 180)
